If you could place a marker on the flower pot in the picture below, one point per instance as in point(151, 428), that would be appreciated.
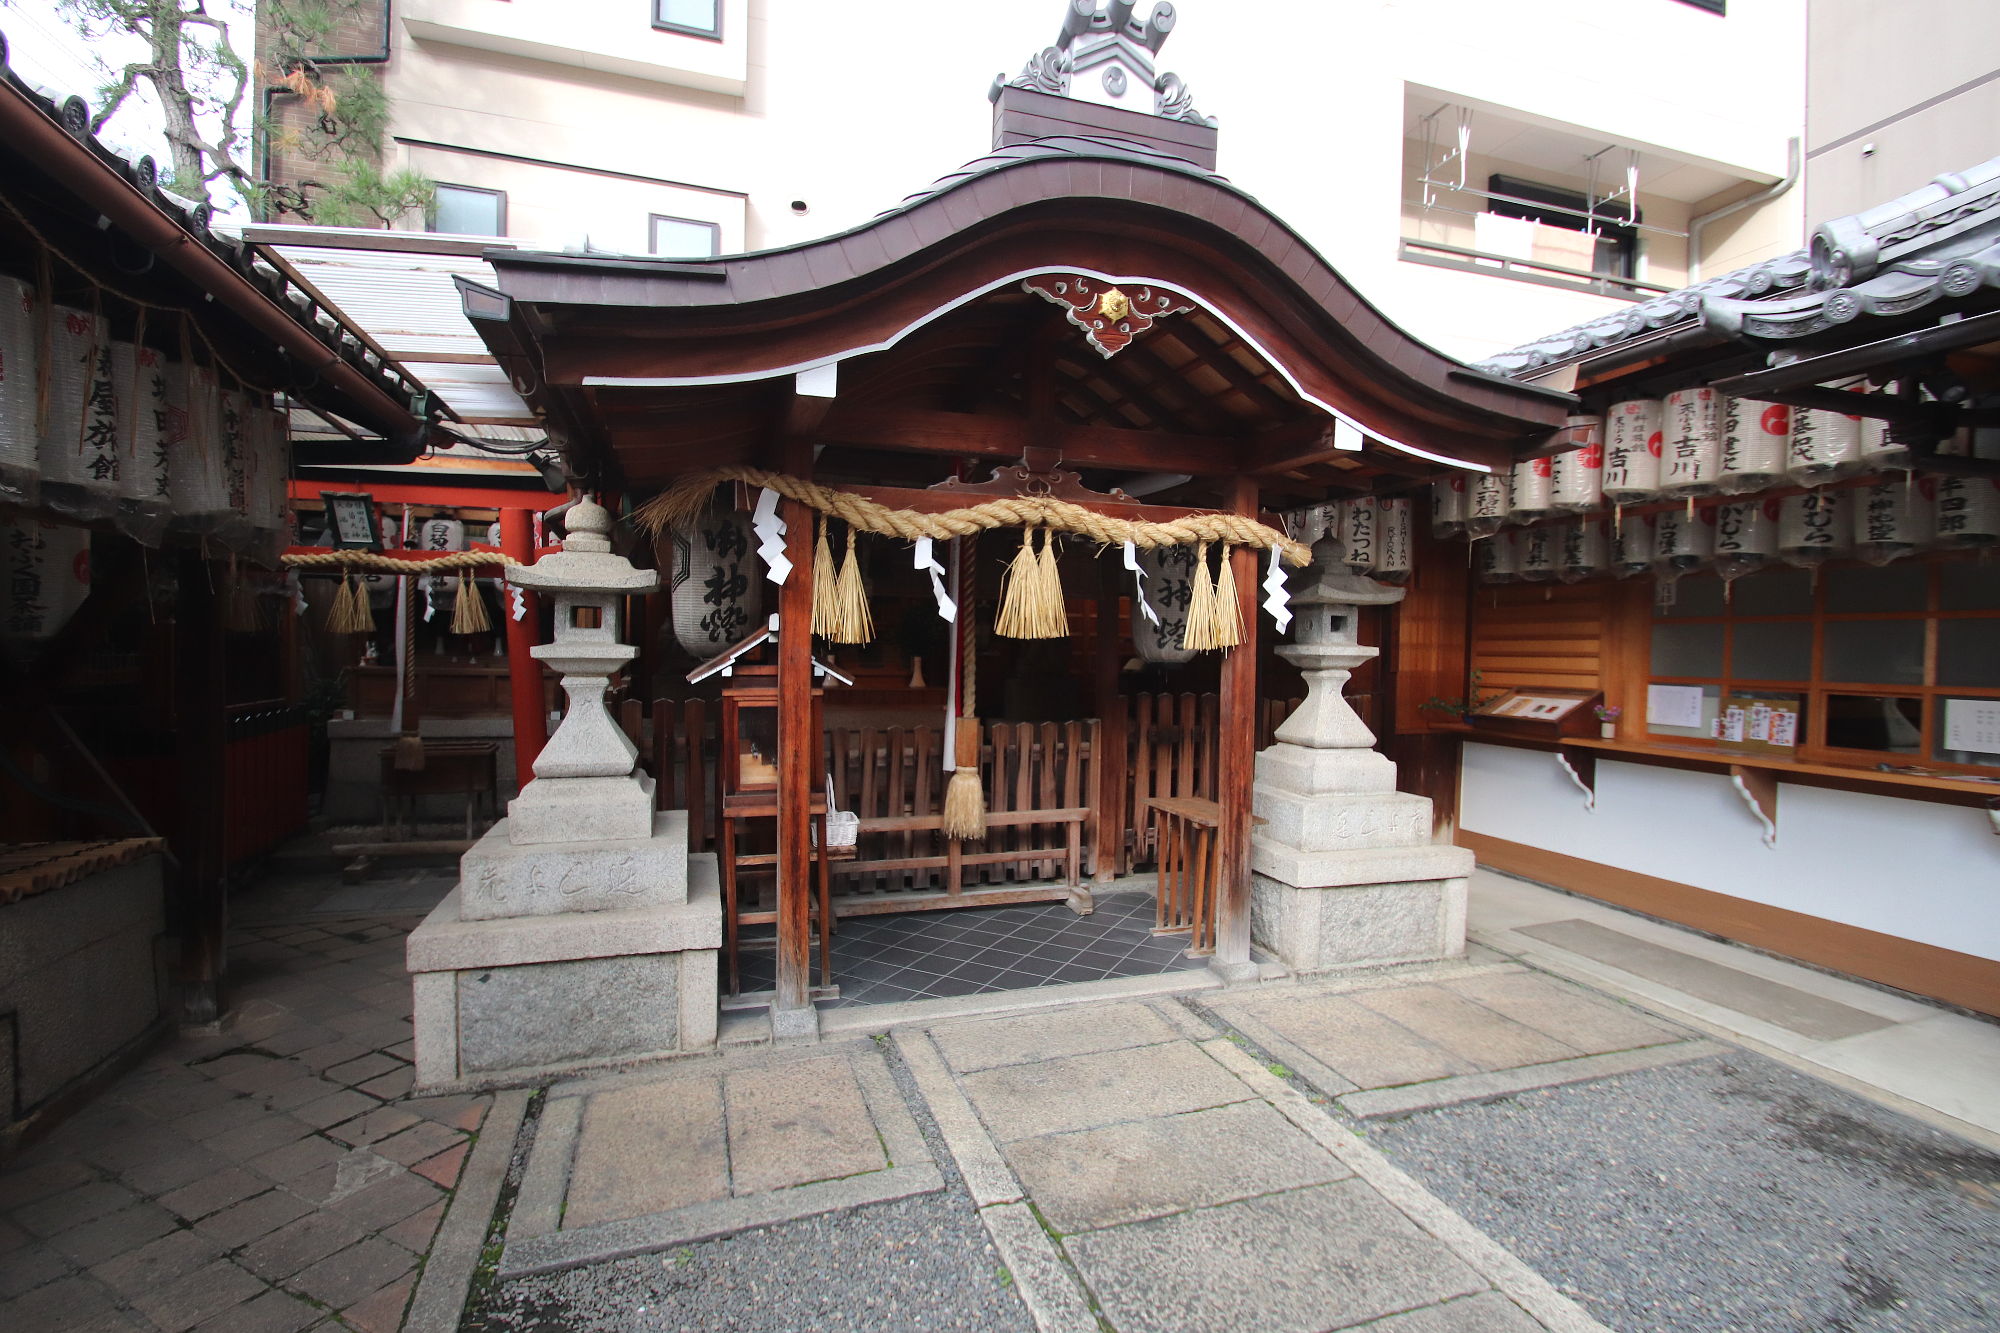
point(1608, 730)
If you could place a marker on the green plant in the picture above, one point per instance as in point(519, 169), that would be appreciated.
point(1456, 709)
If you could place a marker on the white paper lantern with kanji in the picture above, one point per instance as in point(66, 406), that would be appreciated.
point(1534, 490)
point(1826, 446)
point(1632, 552)
point(1755, 438)
point(1813, 528)
point(1746, 537)
point(1890, 520)
point(80, 437)
point(1966, 511)
point(438, 533)
point(1682, 541)
point(1585, 544)
point(1448, 505)
point(1880, 449)
point(1691, 458)
point(237, 428)
point(1492, 499)
point(716, 589)
point(156, 424)
point(1632, 435)
point(195, 472)
point(1580, 472)
point(20, 473)
point(1360, 534)
point(1539, 551)
point(1169, 590)
point(1397, 555)
point(1496, 558)
point(44, 576)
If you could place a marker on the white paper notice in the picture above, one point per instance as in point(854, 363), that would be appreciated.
point(1784, 729)
point(1673, 705)
point(1972, 725)
point(1760, 722)
point(1732, 725)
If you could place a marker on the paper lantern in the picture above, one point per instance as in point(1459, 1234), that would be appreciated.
point(195, 474)
point(1812, 529)
point(1880, 448)
point(1448, 505)
point(441, 533)
point(1632, 451)
point(44, 576)
point(1492, 498)
point(1584, 545)
point(155, 424)
point(20, 473)
point(1632, 552)
point(1360, 534)
point(79, 440)
point(1496, 559)
point(716, 591)
point(1966, 510)
point(1746, 537)
point(233, 416)
point(1691, 457)
point(1755, 438)
point(1534, 490)
point(1682, 541)
point(1579, 479)
point(272, 510)
point(1397, 558)
point(1169, 590)
point(1890, 520)
point(1538, 553)
point(1826, 446)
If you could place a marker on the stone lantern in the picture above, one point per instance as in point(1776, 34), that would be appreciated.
point(1346, 873)
point(581, 930)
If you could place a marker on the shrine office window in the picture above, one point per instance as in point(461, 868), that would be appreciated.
point(684, 238)
point(467, 210)
point(696, 18)
point(1896, 664)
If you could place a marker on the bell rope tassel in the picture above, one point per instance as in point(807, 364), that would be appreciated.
point(363, 610)
point(1055, 613)
point(350, 612)
point(468, 608)
point(964, 799)
point(1017, 619)
point(824, 584)
point(1228, 606)
point(1199, 631)
point(851, 621)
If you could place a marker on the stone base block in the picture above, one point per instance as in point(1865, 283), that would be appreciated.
point(499, 878)
point(1358, 925)
point(1314, 823)
point(1359, 865)
point(520, 998)
point(1315, 772)
point(572, 810)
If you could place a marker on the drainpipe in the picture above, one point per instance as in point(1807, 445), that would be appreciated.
point(1698, 224)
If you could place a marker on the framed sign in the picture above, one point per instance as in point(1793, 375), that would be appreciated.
point(350, 521)
point(1544, 712)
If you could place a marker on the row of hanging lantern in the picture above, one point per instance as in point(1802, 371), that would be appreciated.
point(93, 427)
point(1877, 523)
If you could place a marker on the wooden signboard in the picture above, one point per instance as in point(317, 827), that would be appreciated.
point(1544, 714)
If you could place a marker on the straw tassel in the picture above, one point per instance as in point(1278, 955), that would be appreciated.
point(1199, 631)
point(340, 616)
point(964, 798)
point(1031, 605)
point(468, 608)
point(1055, 622)
point(363, 612)
point(824, 593)
point(849, 621)
point(1228, 630)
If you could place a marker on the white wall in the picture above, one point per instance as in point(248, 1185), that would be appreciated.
point(1914, 869)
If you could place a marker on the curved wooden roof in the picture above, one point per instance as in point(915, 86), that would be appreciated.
point(592, 338)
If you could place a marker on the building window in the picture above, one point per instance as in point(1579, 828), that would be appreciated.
point(1893, 664)
point(466, 210)
point(1614, 250)
point(697, 18)
point(685, 238)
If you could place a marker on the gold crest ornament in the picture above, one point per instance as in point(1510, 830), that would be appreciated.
point(1114, 305)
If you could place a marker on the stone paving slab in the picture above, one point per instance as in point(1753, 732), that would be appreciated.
point(1089, 1091)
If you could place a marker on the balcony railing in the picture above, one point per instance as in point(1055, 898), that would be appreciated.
point(1439, 255)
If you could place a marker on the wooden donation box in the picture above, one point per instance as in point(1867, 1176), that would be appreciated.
point(1538, 714)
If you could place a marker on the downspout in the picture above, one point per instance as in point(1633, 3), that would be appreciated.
point(1697, 225)
point(270, 91)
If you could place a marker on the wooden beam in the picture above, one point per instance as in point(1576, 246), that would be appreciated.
point(960, 434)
point(798, 753)
point(200, 909)
point(937, 502)
point(1236, 754)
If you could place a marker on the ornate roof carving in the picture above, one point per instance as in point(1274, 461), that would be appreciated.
point(1101, 55)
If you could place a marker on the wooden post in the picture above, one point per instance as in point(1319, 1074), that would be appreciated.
point(201, 831)
point(524, 673)
point(791, 1009)
point(1237, 752)
point(1108, 758)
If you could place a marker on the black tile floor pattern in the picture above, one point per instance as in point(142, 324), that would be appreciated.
point(972, 950)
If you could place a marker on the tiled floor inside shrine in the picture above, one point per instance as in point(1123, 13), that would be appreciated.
point(973, 950)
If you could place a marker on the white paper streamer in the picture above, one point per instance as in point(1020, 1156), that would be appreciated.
point(1279, 602)
point(1139, 583)
point(926, 559)
point(297, 588)
point(770, 530)
point(520, 602)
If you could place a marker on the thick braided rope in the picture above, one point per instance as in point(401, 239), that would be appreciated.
point(388, 564)
point(687, 496)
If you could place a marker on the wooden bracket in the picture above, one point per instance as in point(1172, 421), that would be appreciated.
point(1022, 479)
point(1581, 766)
point(1759, 789)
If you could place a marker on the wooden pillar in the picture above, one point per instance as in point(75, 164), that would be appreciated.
point(524, 673)
point(1109, 762)
point(1237, 750)
point(201, 705)
point(797, 758)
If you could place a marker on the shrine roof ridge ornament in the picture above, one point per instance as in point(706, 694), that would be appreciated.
point(1105, 54)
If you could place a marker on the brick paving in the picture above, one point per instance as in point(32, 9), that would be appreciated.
point(277, 1176)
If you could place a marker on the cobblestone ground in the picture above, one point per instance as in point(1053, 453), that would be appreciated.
point(276, 1177)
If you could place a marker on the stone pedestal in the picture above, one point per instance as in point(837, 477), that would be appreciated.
point(1346, 874)
point(581, 932)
